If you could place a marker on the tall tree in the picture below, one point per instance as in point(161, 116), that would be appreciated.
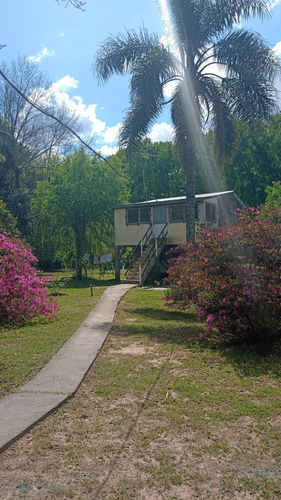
point(26, 134)
point(153, 160)
point(255, 160)
point(75, 203)
point(160, 160)
point(217, 69)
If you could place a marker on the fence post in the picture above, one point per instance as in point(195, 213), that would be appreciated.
point(156, 247)
point(123, 273)
point(140, 276)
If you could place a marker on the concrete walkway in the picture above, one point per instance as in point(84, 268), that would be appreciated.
point(61, 377)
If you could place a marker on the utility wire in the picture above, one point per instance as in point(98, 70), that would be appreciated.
point(50, 115)
point(78, 137)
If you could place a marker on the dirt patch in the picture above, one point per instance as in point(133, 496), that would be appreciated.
point(134, 349)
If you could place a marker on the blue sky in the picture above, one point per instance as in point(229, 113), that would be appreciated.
point(64, 40)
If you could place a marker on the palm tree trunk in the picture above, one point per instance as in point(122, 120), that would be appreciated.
point(190, 194)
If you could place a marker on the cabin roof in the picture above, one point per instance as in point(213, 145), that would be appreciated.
point(178, 199)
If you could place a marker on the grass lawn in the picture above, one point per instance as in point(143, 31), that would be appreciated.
point(160, 415)
point(95, 277)
point(26, 348)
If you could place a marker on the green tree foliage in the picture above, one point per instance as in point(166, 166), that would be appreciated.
point(274, 194)
point(206, 37)
point(28, 138)
point(73, 208)
point(255, 161)
point(156, 172)
point(8, 222)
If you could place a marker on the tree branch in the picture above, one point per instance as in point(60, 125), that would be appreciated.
point(50, 115)
point(78, 4)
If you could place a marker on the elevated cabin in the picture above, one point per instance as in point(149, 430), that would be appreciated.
point(149, 226)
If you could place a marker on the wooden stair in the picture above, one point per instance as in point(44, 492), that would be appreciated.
point(133, 274)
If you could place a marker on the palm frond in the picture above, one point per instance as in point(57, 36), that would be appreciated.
point(245, 49)
point(191, 23)
point(152, 71)
point(216, 109)
point(118, 54)
point(250, 99)
point(224, 129)
point(224, 14)
point(186, 122)
point(149, 75)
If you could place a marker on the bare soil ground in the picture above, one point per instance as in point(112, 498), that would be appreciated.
point(135, 431)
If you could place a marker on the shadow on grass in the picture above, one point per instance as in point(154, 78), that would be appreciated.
point(65, 279)
point(165, 315)
point(181, 328)
point(83, 283)
point(250, 363)
point(178, 335)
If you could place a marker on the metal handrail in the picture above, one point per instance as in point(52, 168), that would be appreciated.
point(137, 250)
point(152, 251)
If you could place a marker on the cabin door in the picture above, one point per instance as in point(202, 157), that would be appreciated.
point(159, 219)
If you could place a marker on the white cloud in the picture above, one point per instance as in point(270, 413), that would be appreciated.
point(277, 48)
point(111, 133)
point(44, 52)
point(66, 83)
point(107, 150)
point(90, 125)
point(86, 113)
point(161, 132)
point(170, 88)
point(274, 3)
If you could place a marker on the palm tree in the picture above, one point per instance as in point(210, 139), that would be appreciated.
point(219, 71)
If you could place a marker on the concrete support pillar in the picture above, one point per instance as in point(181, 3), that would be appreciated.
point(117, 263)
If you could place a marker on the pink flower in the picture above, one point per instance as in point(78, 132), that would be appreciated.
point(23, 294)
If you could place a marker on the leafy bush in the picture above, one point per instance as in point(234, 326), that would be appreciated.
point(7, 221)
point(274, 194)
point(233, 276)
point(56, 284)
point(23, 295)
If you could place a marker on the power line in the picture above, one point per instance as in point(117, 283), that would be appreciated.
point(78, 137)
point(53, 117)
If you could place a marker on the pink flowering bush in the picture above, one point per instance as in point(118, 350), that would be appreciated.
point(23, 294)
point(233, 276)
